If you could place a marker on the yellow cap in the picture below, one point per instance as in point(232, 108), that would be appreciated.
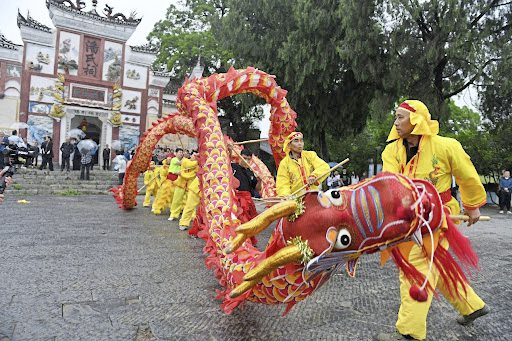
point(419, 117)
point(290, 138)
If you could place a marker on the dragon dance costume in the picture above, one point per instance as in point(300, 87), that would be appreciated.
point(436, 160)
point(317, 232)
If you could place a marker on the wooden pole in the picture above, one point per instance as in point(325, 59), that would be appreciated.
point(181, 143)
point(150, 181)
point(322, 175)
point(466, 218)
point(251, 141)
point(243, 160)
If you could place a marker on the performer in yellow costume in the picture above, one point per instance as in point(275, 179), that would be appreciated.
point(299, 167)
point(416, 151)
point(164, 195)
point(189, 168)
point(151, 182)
point(175, 169)
point(188, 174)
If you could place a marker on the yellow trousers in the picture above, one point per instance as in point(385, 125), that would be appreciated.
point(149, 193)
point(412, 316)
point(177, 202)
point(189, 212)
point(163, 198)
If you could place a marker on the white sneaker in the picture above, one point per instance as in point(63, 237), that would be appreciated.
point(183, 228)
point(171, 218)
point(508, 212)
point(501, 212)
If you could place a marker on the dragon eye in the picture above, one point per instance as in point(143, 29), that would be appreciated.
point(343, 239)
point(335, 197)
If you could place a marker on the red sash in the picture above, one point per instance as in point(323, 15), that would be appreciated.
point(446, 196)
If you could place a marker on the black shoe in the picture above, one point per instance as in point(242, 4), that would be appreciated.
point(395, 336)
point(468, 319)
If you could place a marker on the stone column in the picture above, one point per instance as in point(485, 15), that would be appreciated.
point(106, 137)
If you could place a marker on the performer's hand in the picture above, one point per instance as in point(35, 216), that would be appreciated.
point(474, 216)
point(311, 179)
point(8, 181)
point(1, 198)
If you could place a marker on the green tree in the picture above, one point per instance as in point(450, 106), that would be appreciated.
point(439, 48)
point(496, 90)
point(186, 35)
point(303, 52)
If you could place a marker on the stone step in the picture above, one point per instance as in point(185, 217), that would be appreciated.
point(33, 181)
point(75, 181)
point(57, 186)
point(63, 191)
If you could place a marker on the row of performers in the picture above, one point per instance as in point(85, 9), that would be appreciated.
point(175, 186)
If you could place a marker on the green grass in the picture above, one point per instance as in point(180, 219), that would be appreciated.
point(69, 193)
point(17, 187)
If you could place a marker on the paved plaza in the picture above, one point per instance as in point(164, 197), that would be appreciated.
point(79, 268)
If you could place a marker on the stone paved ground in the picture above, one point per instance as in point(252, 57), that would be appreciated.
point(78, 268)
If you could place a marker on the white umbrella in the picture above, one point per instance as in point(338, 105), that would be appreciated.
point(19, 125)
point(76, 134)
point(87, 146)
point(116, 145)
point(16, 140)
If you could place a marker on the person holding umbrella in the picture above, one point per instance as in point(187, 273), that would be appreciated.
point(86, 148)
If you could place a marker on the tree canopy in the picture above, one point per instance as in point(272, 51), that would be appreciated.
point(184, 37)
point(346, 63)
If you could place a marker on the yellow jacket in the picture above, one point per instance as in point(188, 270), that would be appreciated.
point(189, 169)
point(149, 179)
point(162, 174)
point(438, 158)
point(293, 174)
point(188, 172)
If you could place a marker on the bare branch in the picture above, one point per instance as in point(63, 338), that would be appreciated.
point(472, 80)
point(504, 28)
point(505, 4)
point(484, 12)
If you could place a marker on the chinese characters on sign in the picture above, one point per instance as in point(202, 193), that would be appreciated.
point(79, 92)
point(91, 57)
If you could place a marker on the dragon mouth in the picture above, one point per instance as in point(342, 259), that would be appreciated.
point(330, 261)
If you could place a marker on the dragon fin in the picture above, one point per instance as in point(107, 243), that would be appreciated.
point(260, 223)
point(288, 254)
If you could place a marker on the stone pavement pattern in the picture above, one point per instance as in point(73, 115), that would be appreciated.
point(78, 268)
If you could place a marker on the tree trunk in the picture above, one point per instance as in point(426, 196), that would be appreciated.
point(322, 143)
point(438, 111)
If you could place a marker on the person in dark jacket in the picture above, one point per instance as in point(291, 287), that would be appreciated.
point(47, 153)
point(35, 149)
point(66, 149)
point(76, 157)
point(248, 182)
point(106, 158)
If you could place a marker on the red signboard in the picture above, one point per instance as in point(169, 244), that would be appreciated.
point(91, 58)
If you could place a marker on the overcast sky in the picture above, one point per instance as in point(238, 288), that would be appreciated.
point(150, 10)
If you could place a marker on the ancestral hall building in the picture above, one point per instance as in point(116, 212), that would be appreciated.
point(81, 74)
